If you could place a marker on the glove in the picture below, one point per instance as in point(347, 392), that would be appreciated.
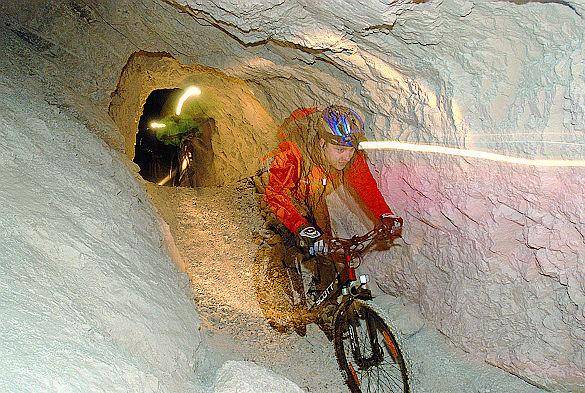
point(391, 223)
point(312, 239)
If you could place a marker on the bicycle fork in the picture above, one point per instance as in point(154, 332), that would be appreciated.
point(376, 355)
point(358, 288)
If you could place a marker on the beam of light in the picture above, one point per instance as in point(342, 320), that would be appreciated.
point(189, 92)
point(544, 142)
point(164, 181)
point(154, 124)
point(167, 178)
point(521, 133)
point(394, 145)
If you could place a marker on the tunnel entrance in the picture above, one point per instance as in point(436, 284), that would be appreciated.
point(155, 158)
point(228, 113)
point(174, 149)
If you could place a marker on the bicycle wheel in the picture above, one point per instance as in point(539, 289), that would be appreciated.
point(367, 352)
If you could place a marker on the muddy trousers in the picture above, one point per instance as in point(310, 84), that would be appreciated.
point(282, 280)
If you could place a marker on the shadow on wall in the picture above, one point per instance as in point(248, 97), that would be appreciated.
point(234, 129)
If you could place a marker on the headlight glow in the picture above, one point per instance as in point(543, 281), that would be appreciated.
point(395, 145)
point(189, 92)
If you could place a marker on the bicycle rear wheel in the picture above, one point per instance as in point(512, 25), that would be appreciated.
point(367, 352)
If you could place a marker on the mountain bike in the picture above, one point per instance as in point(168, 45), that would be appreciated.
point(366, 349)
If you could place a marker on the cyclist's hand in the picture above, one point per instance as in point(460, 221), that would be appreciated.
point(391, 224)
point(313, 240)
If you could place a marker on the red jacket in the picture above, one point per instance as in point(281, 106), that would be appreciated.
point(291, 197)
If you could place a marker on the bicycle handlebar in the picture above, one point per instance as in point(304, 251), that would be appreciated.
point(358, 245)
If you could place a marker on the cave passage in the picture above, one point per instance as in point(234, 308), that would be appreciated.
point(158, 161)
point(173, 146)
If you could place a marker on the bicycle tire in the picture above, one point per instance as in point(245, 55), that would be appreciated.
point(384, 370)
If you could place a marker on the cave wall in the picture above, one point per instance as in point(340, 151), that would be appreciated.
point(90, 299)
point(500, 76)
point(494, 256)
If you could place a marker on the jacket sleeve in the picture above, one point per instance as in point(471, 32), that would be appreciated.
point(361, 180)
point(284, 177)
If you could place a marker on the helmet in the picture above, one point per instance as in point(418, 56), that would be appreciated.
point(346, 127)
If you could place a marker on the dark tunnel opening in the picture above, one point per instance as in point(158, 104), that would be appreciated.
point(174, 149)
point(156, 159)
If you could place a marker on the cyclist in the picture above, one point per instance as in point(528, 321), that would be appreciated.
point(317, 156)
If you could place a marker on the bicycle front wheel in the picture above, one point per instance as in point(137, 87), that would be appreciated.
point(367, 352)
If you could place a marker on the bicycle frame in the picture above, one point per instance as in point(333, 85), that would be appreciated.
point(346, 282)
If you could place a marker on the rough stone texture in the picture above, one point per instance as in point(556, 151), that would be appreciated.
point(435, 72)
point(495, 257)
point(89, 298)
point(500, 76)
point(247, 377)
point(245, 131)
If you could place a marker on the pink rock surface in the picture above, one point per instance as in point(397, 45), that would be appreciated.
point(495, 257)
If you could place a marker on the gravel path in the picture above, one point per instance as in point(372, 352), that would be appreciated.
point(215, 229)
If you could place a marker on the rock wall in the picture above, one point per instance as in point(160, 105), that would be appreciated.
point(494, 255)
point(90, 299)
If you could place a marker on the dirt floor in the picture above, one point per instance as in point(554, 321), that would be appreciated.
point(217, 231)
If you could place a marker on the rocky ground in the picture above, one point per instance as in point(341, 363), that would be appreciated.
point(217, 231)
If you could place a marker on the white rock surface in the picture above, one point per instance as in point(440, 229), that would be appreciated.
point(90, 300)
point(247, 377)
point(495, 259)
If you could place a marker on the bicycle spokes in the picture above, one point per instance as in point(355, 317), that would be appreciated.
point(367, 352)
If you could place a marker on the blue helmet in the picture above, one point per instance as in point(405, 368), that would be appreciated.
point(346, 127)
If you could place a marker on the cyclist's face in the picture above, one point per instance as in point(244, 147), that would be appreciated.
point(337, 156)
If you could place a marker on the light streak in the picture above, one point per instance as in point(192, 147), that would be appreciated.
point(167, 178)
point(521, 133)
point(395, 145)
point(189, 92)
point(164, 181)
point(544, 142)
point(154, 124)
